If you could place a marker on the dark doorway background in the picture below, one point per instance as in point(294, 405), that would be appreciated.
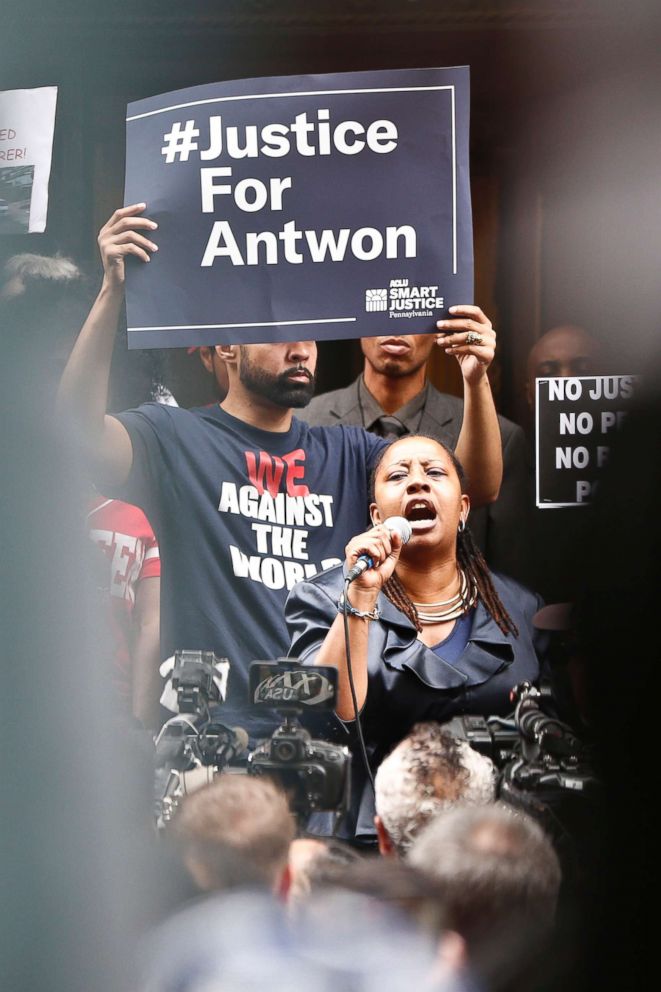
point(564, 150)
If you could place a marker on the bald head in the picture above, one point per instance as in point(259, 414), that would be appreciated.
point(563, 351)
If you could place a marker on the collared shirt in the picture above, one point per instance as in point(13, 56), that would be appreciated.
point(408, 415)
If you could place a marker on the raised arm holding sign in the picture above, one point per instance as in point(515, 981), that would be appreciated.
point(245, 499)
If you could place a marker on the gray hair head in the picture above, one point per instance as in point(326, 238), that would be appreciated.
point(497, 869)
point(19, 270)
point(427, 773)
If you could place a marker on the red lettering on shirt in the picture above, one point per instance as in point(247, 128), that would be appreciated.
point(267, 474)
point(295, 462)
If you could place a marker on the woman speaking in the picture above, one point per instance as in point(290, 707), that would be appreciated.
point(432, 633)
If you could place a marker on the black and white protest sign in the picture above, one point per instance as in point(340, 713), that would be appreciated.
point(576, 419)
point(27, 125)
point(301, 207)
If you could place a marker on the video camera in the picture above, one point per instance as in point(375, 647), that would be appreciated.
point(544, 769)
point(531, 748)
point(192, 741)
point(314, 773)
point(193, 745)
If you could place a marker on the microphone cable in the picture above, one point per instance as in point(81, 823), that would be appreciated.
point(352, 687)
point(402, 527)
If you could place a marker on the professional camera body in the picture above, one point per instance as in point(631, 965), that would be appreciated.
point(314, 773)
point(193, 745)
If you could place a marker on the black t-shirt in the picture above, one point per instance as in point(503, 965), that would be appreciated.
point(241, 515)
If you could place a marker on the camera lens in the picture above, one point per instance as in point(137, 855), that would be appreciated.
point(284, 751)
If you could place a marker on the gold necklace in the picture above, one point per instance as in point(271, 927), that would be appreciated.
point(448, 609)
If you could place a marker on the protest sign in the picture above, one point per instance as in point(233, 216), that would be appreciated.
point(301, 207)
point(27, 123)
point(576, 419)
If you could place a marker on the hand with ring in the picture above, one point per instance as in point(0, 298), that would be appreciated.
point(469, 336)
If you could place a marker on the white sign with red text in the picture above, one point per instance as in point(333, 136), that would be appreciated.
point(27, 125)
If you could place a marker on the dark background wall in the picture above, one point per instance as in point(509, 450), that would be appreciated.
point(565, 139)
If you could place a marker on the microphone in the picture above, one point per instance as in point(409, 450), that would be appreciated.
point(396, 525)
point(239, 743)
point(232, 743)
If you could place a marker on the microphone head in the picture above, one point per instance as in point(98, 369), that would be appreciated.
point(401, 526)
point(241, 736)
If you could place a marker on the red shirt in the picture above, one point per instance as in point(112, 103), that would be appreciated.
point(125, 536)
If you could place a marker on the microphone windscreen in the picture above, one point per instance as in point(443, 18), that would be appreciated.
point(401, 526)
point(241, 739)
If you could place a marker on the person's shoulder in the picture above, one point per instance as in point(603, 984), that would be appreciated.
point(508, 428)
point(320, 592)
point(442, 416)
point(330, 408)
point(330, 580)
point(342, 435)
point(511, 591)
point(156, 410)
point(445, 401)
point(454, 405)
point(158, 415)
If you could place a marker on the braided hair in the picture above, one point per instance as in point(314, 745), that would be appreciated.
point(469, 558)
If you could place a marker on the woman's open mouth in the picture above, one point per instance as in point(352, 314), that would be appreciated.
point(421, 514)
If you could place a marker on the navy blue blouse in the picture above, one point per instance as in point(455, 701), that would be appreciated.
point(407, 681)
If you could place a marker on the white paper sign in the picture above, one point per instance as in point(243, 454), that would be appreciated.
point(27, 123)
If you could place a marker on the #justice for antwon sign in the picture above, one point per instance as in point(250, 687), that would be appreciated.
point(301, 207)
point(576, 419)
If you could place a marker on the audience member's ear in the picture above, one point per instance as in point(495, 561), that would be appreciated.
point(228, 353)
point(386, 846)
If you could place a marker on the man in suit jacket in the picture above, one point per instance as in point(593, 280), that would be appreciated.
point(393, 397)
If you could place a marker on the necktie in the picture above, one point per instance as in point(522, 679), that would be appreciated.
point(390, 427)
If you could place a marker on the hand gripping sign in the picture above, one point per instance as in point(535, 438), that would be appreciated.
point(301, 207)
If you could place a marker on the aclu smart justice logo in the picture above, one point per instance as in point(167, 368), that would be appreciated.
point(402, 300)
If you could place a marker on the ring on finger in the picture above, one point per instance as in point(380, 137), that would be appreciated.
point(473, 337)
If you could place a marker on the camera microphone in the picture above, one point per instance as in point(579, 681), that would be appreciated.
point(396, 525)
point(232, 743)
point(239, 742)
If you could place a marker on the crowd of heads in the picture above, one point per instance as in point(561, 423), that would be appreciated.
point(467, 889)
